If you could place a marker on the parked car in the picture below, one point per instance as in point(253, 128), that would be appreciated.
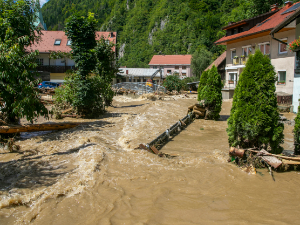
point(48, 84)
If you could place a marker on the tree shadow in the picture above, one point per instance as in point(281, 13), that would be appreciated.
point(224, 117)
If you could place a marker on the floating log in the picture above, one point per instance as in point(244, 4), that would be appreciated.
point(201, 109)
point(278, 156)
point(236, 152)
point(67, 110)
point(36, 127)
point(199, 113)
point(144, 147)
point(154, 149)
point(191, 107)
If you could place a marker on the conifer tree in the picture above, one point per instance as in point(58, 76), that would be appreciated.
point(202, 83)
point(211, 93)
point(297, 133)
point(253, 120)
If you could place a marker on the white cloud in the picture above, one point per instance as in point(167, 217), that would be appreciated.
point(42, 2)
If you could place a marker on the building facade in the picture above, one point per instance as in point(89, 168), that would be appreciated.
point(244, 37)
point(170, 64)
point(55, 69)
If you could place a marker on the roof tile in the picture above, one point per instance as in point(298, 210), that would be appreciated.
point(171, 60)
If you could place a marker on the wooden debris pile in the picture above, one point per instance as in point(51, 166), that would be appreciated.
point(123, 91)
point(252, 158)
point(199, 110)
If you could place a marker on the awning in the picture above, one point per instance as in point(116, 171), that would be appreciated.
point(234, 67)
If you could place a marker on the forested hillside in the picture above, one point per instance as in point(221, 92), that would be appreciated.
point(148, 27)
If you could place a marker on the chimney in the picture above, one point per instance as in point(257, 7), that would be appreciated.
point(288, 3)
point(111, 34)
point(274, 7)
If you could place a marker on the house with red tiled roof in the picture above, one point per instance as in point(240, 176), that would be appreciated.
point(180, 64)
point(243, 37)
point(55, 69)
point(220, 63)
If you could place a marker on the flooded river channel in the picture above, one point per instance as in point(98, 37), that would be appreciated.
point(92, 174)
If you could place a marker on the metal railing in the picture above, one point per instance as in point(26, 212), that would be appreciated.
point(230, 84)
point(140, 87)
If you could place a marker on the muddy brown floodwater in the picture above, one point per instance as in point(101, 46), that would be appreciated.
point(92, 174)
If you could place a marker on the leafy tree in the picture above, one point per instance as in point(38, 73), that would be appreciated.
point(88, 89)
point(187, 80)
point(211, 93)
point(297, 133)
point(17, 76)
point(172, 82)
point(202, 83)
point(253, 120)
point(201, 59)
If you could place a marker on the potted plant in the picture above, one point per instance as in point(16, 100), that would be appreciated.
point(294, 45)
point(281, 82)
point(235, 60)
point(242, 56)
point(230, 82)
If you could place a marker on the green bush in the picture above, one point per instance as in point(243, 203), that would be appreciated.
point(212, 94)
point(297, 133)
point(172, 82)
point(187, 80)
point(253, 120)
point(203, 80)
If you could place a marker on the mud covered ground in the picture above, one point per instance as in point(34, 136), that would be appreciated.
point(92, 174)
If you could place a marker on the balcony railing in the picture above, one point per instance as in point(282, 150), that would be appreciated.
point(230, 84)
point(240, 61)
point(55, 69)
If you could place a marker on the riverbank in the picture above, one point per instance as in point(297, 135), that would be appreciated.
point(92, 174)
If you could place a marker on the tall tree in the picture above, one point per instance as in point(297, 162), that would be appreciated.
point(17, 76)
point(200, 61)
point(202, 83)
point(253, 120)
point(212, 94)
point(88, 89)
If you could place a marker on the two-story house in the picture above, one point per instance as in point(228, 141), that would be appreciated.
point(55, 69)
point(243, 37)
point(292, 19)
point(180, 64)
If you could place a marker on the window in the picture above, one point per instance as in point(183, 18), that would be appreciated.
point(57, 42)
point(154, 67)
point(183, 74)
point(169, 71)
point(246, 50)
point(176, 67)
point(282, 47)
point(161, 67)
point(40, 62)
point(281, 77)
point(233, 53)
point(184, 67)
point(107, 42)
point(69, 42)
point(232, 77)
point(264, 48)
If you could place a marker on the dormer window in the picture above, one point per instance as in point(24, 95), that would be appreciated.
point(57, 42)
point(69, 42)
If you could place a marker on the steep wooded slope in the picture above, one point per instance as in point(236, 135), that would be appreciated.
point(148, 27)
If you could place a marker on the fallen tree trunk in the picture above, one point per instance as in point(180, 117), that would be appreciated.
point(199, 113)
point(36, 127)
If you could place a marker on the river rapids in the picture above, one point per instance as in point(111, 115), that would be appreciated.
point(92, 174)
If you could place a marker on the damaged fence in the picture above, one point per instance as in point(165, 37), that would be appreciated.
point(164, 137)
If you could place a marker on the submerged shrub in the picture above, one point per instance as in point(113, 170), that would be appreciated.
point(297, 133)
point(253, 120)
point(211, 93)
point(172, 82)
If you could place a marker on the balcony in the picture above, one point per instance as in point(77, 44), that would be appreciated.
point(239, 60)
point(230, 84)
point(54, 69)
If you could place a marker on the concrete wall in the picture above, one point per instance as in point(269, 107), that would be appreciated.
point(281, 62)
point(296, 94)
